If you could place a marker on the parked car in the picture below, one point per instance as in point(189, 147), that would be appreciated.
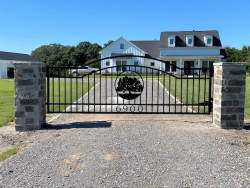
point(82, 70)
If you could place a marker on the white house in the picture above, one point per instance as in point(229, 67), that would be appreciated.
point(198, 49)
point(6, 63)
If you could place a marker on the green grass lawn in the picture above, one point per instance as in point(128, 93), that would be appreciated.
point(189, 91)
point(6, 101)
point(66, 96)
point(7, 97)
point(247, 98)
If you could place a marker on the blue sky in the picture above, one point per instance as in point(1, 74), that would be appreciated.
point(27, 24)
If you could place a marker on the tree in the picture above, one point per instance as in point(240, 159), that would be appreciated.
point(108, 43)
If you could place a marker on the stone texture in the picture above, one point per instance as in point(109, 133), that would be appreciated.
point(30, 95)
point(229, 95)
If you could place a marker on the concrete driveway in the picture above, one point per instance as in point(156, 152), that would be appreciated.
point(130, 151)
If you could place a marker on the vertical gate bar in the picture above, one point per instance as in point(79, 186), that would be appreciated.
point(210, 92)
point(187, 96)
point(205, 87)
point(175, 85)
point(112, 89)
point(158, 92)
point(53, 90)
point(106, 93)
point(199, 90)
point(116, 92)
point(88, 92)
point(65, 76)
point(146, 89)
point(71, 91)
point(193, 94)
point(135, 71)
point(164, 91)
point(48, 92)
point(129, 70)
point(140, 95)
point(152, 109)
point(169, 90)
point(82, 93)
point(100, 91)
point(76, 90)
point(94, 91)
point(59, 89)
point(181, 91)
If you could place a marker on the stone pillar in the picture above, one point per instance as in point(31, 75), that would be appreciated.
point(229, 95)
point(30, 95)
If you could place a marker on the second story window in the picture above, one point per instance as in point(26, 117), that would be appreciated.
point(190, 40)
point(208, 40)
point(152, 64)
point(107, 63)
point(171, 41)
point(121, 46)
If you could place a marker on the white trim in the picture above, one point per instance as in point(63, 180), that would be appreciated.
point(169, 38)
point(206, 37)
point(190, 37)
point(121, 38)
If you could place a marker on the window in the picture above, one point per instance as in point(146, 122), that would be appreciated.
point(171, 41)
point(107, 63)
point(120, 67)
point(152, 64)
point(208, 40)
point(121, 46)
point(190, 40)
point(136, 63)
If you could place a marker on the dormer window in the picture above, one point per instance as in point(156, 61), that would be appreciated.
point(121, 46)
point(171, 41)
point(208, 40)
point(190, 40)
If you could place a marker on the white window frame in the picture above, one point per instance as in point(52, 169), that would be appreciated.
point(170, 38)
point(190, 37)
point(152, 64)
point(206, 37)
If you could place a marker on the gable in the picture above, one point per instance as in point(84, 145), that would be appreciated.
point(114, 47)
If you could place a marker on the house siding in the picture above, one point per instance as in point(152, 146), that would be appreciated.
point(190, 52)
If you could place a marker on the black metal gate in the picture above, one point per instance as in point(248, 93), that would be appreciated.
point(129, 88)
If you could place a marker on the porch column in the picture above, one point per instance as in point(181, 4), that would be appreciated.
point(199, 65)
point(180, 64)
point(229, 95)
point(170, 66)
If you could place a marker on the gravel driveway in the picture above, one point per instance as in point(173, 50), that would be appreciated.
point(131, 151)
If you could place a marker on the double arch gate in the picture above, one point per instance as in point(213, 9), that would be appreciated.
point(129, 88)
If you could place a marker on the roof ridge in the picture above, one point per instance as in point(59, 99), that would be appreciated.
point(189, 31)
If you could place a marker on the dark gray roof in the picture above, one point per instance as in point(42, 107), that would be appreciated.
point(16, 57)
point(152, 47)
point(180, 38)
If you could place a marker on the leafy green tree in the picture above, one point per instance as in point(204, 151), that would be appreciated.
point(108, 43)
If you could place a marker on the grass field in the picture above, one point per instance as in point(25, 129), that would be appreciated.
point(7, 97)
point(247, 98)
point(6, 101)
point(189, 91)
point(66, 97)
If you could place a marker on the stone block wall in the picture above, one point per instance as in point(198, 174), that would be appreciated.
point(229, 95)
point(30, 95)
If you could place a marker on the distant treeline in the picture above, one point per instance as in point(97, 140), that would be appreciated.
point(59, 55)
point(235, 55)
point(84, 52)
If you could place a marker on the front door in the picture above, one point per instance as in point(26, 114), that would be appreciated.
point(188, 65)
